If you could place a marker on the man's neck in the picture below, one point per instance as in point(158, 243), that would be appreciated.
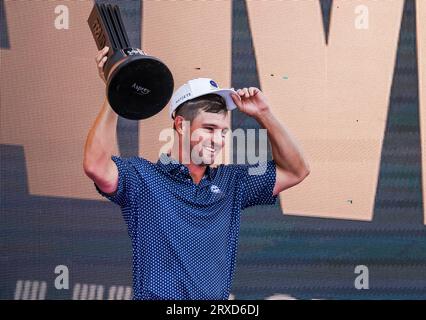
point(196, 171)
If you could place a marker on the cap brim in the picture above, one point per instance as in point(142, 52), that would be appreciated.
point(227, 95)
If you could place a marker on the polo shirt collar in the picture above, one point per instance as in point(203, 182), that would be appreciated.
point(170, 164)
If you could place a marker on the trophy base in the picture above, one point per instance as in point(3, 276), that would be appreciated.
point(139, 86)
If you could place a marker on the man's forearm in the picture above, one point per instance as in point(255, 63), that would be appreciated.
point(286, 153)
point(101, 141)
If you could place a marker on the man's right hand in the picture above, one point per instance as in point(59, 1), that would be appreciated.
point(101, 59)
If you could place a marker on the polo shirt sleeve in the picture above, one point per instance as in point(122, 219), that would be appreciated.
point(258, 183)
point(127, 177)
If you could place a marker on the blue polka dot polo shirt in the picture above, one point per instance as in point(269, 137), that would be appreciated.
point(185, 236)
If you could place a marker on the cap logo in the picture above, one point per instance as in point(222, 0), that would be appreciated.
point(183, 97)
point(213, 84)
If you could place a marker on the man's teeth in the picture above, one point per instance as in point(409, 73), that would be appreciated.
point(210, 149)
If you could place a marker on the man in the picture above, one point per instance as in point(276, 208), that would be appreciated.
point(183, 216)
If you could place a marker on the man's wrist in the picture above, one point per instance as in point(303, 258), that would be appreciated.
point(264, 115)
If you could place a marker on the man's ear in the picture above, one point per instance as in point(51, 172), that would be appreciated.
point(178, 124)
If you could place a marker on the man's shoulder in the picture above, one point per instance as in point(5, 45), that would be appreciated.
point(228, 169)
point(139, 163)
point(252, 169)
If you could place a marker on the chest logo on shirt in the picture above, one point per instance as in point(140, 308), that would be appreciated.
point(214, 189)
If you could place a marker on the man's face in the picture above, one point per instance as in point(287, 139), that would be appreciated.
point(208, 131)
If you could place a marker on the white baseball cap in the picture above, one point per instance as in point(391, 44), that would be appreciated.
point(198, 87)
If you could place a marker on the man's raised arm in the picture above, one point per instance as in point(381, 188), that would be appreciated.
point(101, 142)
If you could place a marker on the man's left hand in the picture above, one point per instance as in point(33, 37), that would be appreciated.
point(251, 101)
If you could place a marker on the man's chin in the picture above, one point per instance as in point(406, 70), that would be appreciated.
point(208, 160)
